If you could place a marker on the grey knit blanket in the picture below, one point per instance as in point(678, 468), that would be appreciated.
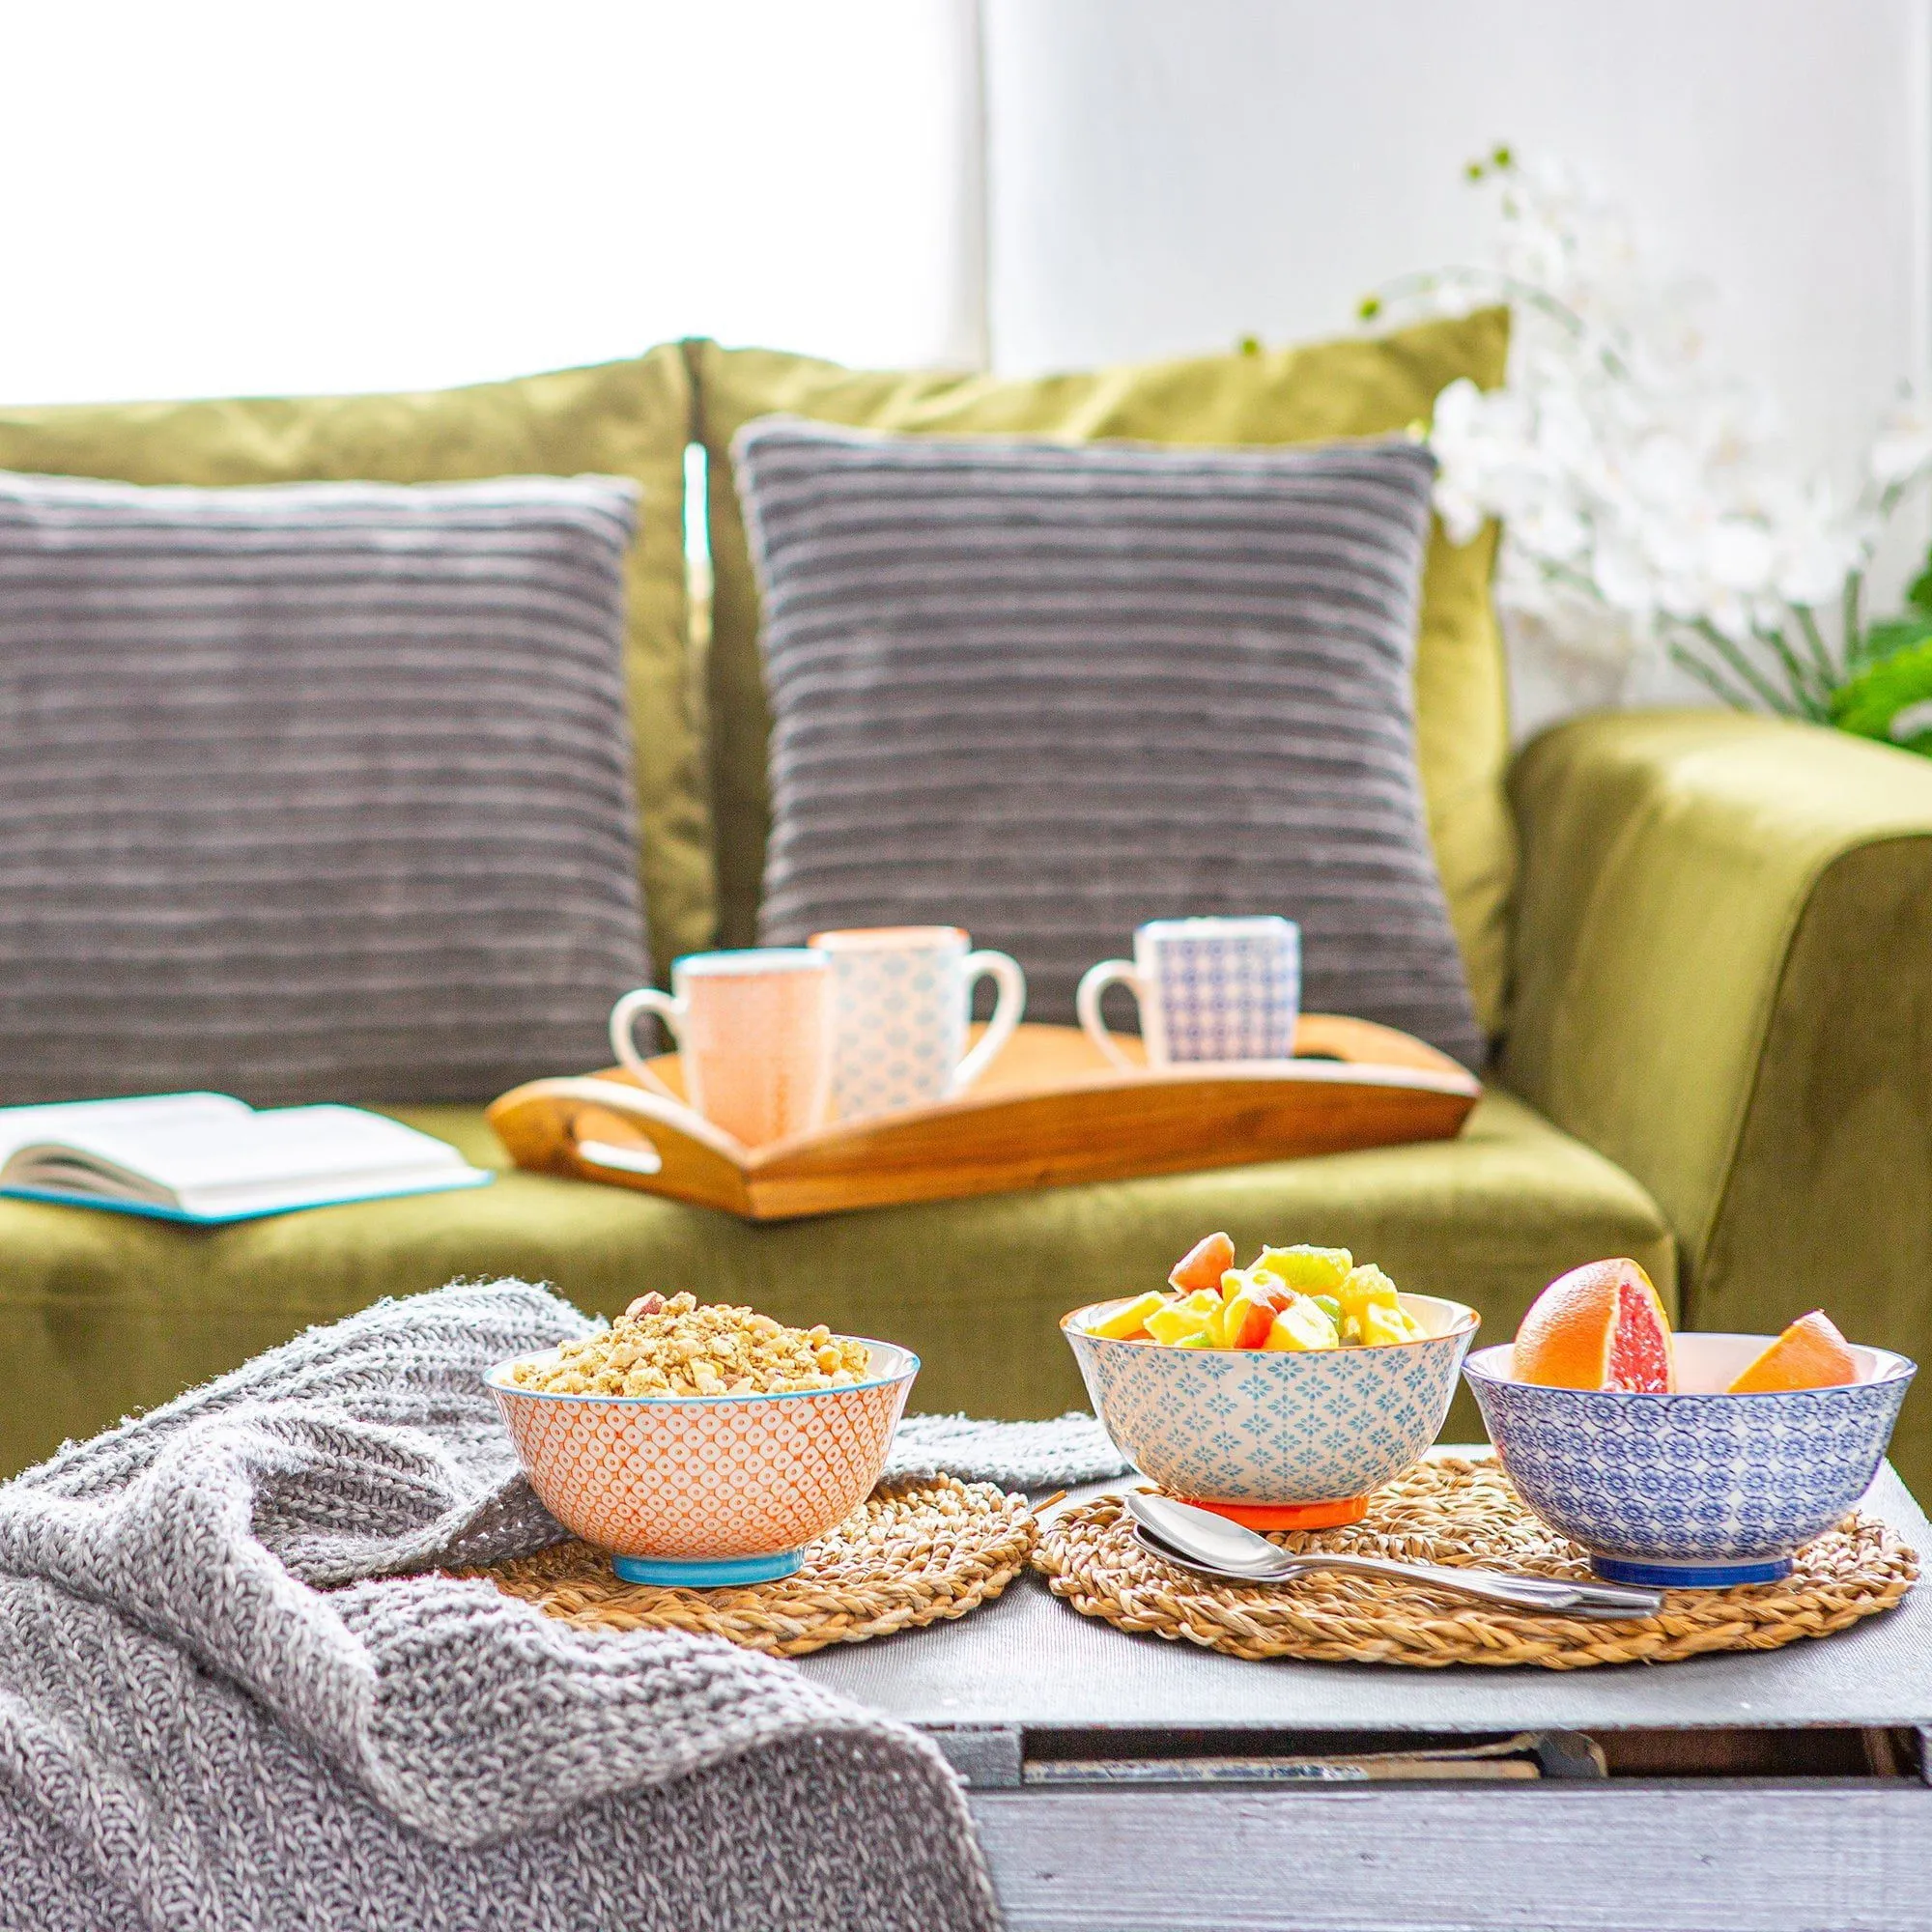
point(1015, 1455)
point(212, 1715)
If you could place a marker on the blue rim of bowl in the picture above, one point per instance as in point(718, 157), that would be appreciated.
point(1073, 1315)
point(491, 1378)
point(1675, 1573)
point(1892, 1368)
point(707, 1572)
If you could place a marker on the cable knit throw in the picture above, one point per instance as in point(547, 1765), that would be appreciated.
point(212, 1716)
point(1015, 1455)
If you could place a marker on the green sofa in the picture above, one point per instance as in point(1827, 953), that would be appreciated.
point(1700, 939)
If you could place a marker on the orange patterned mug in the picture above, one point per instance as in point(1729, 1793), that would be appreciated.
point(753, 1029)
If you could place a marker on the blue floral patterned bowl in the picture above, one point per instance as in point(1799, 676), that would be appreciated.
point(1262, 1430)
point(1697, 1489)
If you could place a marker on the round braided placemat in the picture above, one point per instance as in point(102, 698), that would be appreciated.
point(910, 1555)
point(1454, 1510)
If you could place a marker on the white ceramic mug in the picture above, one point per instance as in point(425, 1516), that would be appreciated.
point(753, 1031)
point(901, 1000)
point(1208, 990)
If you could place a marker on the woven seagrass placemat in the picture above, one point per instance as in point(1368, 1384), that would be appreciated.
point(910, 1555)
point(1454, 1510)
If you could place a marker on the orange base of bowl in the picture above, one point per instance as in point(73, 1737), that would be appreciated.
point(1289, 1516)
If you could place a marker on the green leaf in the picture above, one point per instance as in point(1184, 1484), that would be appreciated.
point(1895, 635)
point(1872, 702)
point(1918, 592)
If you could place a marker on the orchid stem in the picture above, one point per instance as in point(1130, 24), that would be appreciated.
point(1814, 703)
point(1754, 678)
point(1829, 673)
point(1687, 660)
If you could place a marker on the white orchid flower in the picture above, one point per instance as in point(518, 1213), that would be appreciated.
point(1646, 498)
point(1903, 446)
point(1739, 556)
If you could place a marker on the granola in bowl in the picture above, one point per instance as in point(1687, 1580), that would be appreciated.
point(703, 1446)
point(681, 1347)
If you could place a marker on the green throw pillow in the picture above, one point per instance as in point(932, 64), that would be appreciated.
point(1346, 388)
point(618, 418)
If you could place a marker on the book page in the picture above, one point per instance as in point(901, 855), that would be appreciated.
point(159, 1114)
point(289, 1149)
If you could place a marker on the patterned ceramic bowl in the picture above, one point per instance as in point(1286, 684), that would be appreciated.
point(710, 1489)
point(1697, 1489)
point(1276, 1440)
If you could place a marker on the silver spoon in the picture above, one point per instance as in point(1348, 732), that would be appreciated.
point(1200, 1540)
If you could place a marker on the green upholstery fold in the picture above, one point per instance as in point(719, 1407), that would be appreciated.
point(100, 1314)
point(1723, 983)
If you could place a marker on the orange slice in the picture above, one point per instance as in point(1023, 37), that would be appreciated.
point(1600, 1326)
point(1811, 1354)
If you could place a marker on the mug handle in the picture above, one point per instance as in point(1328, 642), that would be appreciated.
point(624, 1017)
point(1007, 1006)
point(1087, 1005)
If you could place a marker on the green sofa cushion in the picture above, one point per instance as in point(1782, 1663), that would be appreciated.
point(100, 1314)
point(618, 418)
point(1316, 393)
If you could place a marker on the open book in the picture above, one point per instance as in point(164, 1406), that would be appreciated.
point(206, 1157)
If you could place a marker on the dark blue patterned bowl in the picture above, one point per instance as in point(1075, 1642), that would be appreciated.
point(1697, 1489)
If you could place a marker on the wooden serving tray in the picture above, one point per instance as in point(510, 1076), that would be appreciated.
point(1048, 1112)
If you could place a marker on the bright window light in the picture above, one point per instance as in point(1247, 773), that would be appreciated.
point(213, 198)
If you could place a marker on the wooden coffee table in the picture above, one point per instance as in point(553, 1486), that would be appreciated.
point(1121, 1782)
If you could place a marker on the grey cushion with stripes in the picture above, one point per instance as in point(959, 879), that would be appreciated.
point(1048, 691)
point(312, 791)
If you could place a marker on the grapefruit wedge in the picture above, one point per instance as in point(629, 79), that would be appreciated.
point(1811, 1354)
point(1600, 1326)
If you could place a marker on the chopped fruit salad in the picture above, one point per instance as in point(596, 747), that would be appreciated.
point(1295, 1300)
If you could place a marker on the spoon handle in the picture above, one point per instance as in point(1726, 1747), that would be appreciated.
point(1547, 1593)
point(1536, 1596)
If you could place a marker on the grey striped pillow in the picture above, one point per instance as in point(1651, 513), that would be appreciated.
point(314, 790)
point(1047, 692)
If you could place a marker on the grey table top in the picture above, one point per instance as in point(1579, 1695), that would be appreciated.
point(1030, 1660)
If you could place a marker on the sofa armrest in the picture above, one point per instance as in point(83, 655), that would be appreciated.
point(1723, 958)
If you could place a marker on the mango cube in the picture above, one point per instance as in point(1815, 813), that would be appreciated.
point(1305, 1269)
point(1364, 1288)
point(1303, 1327)
point(1130, 1319)
point(1176, 1321)
point(1382, 1324)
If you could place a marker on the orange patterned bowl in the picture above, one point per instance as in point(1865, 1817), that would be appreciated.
point(706, 1490)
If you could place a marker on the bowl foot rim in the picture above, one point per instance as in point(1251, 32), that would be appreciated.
point(1331, 1515)
point(707, 1572)
point(1700, 1574)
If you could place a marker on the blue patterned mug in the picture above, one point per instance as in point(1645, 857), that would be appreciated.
point(1207, 989)
point(901, 1000)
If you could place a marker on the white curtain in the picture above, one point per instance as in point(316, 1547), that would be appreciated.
point(220, 197)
